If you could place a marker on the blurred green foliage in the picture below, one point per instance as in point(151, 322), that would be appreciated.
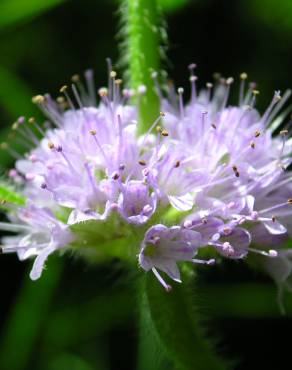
point(276, 14)
point(16, 12)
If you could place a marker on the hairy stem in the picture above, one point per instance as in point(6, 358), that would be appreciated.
point(143, 34)
point(176, 324)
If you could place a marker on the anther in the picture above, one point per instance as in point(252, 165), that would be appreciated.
point(289, 201)
point(4, 146)
point(284, 132)
point(51, 145)
point(255, 92)
point(60, 100)
point(92, 132)
point(63, 89)
point(142, 89)
point(75, 78)
point(243, 76)
point(180, 90)
point(21, 119)
point(142, 162)
point(115, 176)
point(177, 164)
point(31, 120)
point(229, 80)
point(273, 219)
point(164, 133)
point(227, 248)
point(162, 114)
point(38, 99)
point(273, 253)
point(235, 170)
point(103, 91)
point(113, 74)
point(257, 133)
point(192, 66)
point(214, 126)
point(252, 144)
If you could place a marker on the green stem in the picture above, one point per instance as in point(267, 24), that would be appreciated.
point(176, 324)
point(142, 30)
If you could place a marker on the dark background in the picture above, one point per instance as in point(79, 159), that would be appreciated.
point(82, 317)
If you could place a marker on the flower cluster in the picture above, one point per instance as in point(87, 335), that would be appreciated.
point(205, 177)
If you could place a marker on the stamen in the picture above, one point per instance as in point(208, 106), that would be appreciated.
point(210, 262)
point(154, 76)
point(32, 120)
point(180, 91)
point(93, 134)
point(110, 68)
point(59, 149)
point(63, 90)
point(255, 93)
point(77, 96)
point(278, 107)
point(243, 77)
point(193, 80)
point(228, 83)
point(91, 178)
point(209, 86)
point(289, 201)
point(276, 98)
point(235, 170)
point(12, 152)
point(271, 253)
point(161, 114)
point(14, 227)
point(161, 280)
point(284, 134)
point(89, 77)
point(142, 162)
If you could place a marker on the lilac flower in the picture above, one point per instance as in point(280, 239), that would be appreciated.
point(135, 203)
point(40, 234)
point(215, 175)
point(163, 247)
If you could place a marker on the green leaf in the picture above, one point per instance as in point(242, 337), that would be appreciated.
point(16, 11)
point(176, 324)
point(7, 194)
